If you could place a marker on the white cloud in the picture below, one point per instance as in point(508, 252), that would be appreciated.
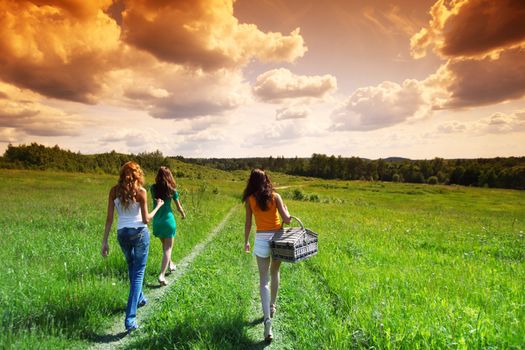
point(497, 123)
point(380, 106)
point(292, 112)
point(22, 110)
point(280, 84)
point(171, 92)
point(136, 140)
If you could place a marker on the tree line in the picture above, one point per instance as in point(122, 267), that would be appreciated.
point(508, 172)
point(498, 172)
point(40, 157)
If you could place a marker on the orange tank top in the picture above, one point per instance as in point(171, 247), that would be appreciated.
point(265, 220)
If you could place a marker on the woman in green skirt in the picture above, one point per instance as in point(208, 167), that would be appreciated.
point(164, 226)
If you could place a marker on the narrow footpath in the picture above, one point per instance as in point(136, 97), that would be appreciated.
point(116, 337)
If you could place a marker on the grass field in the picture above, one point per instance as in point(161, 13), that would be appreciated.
point(400, 266)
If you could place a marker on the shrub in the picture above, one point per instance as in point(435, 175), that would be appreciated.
point(314, 198)
point(298, 195)
point(433, 180)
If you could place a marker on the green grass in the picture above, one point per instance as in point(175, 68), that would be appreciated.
point(400, 266)
point(420, 266)
point(55, 288)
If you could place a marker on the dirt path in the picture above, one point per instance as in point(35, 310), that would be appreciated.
point(115, 336)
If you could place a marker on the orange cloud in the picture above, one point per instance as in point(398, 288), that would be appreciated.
point(471, 28)
point(487, 81)
point(203, 34)
point(57, 48)
point(174, 59)
point(484, 44)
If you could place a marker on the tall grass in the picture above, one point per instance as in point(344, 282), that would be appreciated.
point(55, 288)
point(420, 266)
point(399, 267)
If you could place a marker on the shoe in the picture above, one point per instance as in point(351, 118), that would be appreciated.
point(272, 310)
point(144, 302)
point(162, 282)
point(268, 336)
point(173, 267)
point(133, 328)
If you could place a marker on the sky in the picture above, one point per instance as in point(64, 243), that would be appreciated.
point(254, 78)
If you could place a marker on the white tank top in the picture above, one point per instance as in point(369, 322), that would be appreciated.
point(130, 216)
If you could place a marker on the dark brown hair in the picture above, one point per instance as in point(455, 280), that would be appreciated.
point(131, 179)
point(164, 183)
point(260, 186)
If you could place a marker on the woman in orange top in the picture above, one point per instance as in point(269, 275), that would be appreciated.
point(266, 206)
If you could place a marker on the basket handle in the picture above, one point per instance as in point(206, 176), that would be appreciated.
point(299, 221)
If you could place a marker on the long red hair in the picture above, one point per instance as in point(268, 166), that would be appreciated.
point(131, 179)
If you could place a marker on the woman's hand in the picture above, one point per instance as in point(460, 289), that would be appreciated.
point(183, 215)
point(105, 249)
point(247, 247)
point(160, 202)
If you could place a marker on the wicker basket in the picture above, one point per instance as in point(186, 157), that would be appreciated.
point(294, 244)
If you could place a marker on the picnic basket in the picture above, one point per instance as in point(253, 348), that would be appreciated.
point(294, 244)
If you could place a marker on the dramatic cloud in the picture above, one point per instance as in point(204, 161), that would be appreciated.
point(204, 34)
point(57, 48)
point(487, 81)
point(277, 85)
point(22, 112)
point(179, 59)
point(483, 42)
point(471, 28)
point(380, 106)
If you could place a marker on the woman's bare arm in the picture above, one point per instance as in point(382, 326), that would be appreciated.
point(109, 221)
point(283, 210)
point(142, 198)
point(247, 227)
point(180, 209)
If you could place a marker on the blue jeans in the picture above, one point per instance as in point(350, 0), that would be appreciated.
point(135, 244)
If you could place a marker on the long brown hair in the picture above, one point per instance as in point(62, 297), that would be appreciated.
point(131, 179)
point(164, 183)
point(260, 186)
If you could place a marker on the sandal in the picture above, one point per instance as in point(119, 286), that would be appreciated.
point(272, 310)
point(162, 282)
point(268, 336)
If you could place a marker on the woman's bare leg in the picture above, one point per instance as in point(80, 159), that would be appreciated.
point(276, 279)
point(264, 284)
point(167, 244)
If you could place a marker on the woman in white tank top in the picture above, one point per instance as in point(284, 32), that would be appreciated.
point(129, 197)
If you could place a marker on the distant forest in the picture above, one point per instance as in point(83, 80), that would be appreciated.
point(40, 157)
point(484, 172)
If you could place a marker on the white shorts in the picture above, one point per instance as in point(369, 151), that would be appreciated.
point(261, 246)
